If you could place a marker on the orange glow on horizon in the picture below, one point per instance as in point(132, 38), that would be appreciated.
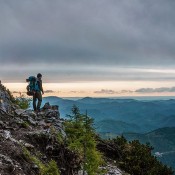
point(94, 89)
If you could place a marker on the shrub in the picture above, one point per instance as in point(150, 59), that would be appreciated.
point(22, 102)
point(134, 157)
point(81, 138)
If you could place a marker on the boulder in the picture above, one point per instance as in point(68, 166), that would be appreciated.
point(6, 98)
point(51, 110)
point(50, 113)
point(19, 111)
point(48, 106)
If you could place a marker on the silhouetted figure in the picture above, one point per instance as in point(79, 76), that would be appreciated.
point(38, 93)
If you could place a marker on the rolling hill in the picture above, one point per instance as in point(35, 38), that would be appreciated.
point(148, 115)
point(163, 141)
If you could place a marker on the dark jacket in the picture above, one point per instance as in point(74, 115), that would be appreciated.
point(40, 84)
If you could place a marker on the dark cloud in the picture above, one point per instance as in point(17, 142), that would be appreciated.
point(141, 90)
point(39, 34)
point(153, 90)
point(126, 91)
point(75, 92)
point(109, 91)
point(70, 73)
point(16, 92)
point(105, 91)
point(49, 91)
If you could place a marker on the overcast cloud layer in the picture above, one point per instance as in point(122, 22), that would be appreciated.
point(87, 40)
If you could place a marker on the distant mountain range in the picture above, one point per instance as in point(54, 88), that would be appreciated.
point(110, 126)
point(147, 121)
point(142, 116)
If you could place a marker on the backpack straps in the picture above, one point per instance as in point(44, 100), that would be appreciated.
point(37, 86)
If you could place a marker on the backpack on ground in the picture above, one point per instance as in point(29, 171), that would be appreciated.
point(33, 85)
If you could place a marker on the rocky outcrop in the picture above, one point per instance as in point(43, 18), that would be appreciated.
point(22, 130)
point(112, 170)
point(37, 133)
point(6, 100)
point(26, 135)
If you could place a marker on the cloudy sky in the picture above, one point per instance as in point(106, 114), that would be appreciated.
point(89, 46)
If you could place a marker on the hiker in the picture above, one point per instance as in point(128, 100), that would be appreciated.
point(37, 94)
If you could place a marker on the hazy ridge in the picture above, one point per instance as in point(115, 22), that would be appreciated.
point(150, 121)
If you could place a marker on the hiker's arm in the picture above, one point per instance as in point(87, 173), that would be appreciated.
point(41, 87)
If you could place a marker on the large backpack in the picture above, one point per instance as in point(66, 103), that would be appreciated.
point(32, 86)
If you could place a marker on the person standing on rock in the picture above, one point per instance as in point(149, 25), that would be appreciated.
point(38, 93)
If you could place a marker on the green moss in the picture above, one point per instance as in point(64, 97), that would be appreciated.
point(59, 137)
point(57, 134)
point(22, 102)
point(25, 125)
point(51, 168)
point(45, 169)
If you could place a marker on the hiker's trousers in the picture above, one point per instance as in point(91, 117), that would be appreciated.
point(37, 96)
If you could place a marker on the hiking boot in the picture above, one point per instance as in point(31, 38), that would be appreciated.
point(38, 110)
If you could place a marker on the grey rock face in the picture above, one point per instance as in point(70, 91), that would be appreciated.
point(51, 111)
point(52, 117)
point(24, 130)
point(5, 100)
point(112, 170)
point(27, 116)
point(48, 106)
point(22, 112)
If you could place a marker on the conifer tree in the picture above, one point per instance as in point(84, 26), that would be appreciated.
point(81, 138)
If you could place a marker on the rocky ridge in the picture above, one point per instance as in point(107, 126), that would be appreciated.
point(41, 134)
point(24, 129)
